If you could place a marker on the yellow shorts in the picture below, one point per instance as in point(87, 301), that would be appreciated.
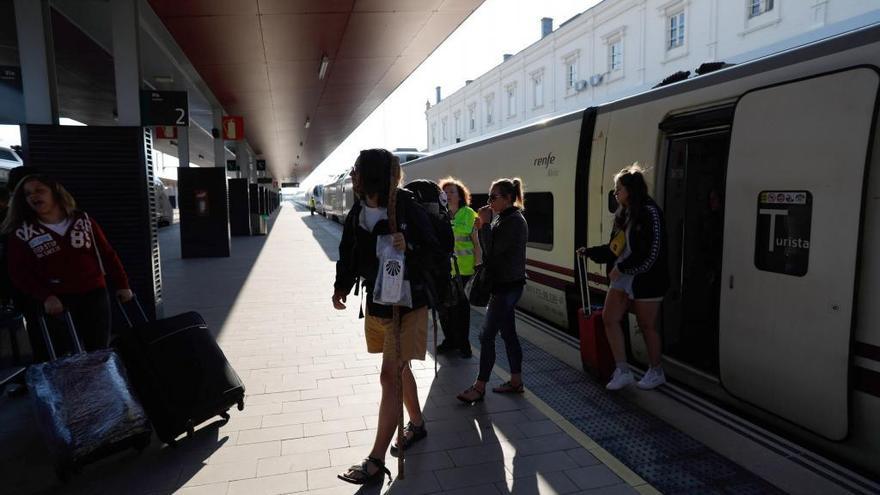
point(414, 335)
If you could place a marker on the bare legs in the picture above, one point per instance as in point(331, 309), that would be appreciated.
point(616, 305)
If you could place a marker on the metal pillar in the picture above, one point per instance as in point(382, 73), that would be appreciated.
point(127, 61)
point(219, 149)
point(36, 53)
point(183, 146)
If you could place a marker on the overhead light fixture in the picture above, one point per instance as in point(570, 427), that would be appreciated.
point(164, 79)
point(325, 62)
point(308, 122)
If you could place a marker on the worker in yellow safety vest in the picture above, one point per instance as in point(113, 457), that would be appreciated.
point(456, 320)
point(312, 204)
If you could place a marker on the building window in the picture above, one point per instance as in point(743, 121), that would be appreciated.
point(758, 7)
point(457, 126)
point(433, 133)
point(571, 74)
point(443, 127)
point(511, 100)
point(490, 109)
point(615, 55)
point(472, 117)
point(676, 30)
point(538, 89)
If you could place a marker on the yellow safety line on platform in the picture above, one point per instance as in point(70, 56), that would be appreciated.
point(605, 457)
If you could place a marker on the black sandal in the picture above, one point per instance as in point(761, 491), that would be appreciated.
point(418, 433)
point(361, 473)
point(479, 397)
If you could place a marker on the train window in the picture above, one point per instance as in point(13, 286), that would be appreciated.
point(539, 214)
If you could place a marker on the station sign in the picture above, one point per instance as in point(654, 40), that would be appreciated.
point(264, 180)
point(232, 165)
point(290, 184)
point(11, 95)
point(166, 132)
point(261, 165)
point(233, 127)
point(164, 108)
point(782, 240)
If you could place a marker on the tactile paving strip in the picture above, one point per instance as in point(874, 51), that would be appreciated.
point(664, 457)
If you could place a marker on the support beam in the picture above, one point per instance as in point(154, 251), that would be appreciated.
point(219, 150)
point(183, 146)
point(127, 61)
point(36, 52)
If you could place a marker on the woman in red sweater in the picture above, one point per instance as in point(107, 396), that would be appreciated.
point(58, 258)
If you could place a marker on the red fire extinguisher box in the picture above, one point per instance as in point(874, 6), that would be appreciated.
point(204, 212)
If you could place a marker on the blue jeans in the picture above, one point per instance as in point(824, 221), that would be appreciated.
point(500, 317)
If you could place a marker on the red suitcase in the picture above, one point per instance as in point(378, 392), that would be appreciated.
point(595, 352)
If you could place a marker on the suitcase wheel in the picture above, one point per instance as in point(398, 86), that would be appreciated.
point(190, 429)
point(241, 405)
point(225, 416)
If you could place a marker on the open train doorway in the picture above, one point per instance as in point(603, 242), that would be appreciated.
point(696, 164)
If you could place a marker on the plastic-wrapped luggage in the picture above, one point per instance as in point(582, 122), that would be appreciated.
point(85, 405)
point(179, 372)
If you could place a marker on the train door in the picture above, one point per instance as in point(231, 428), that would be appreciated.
point(696, 161)
point(794, 201)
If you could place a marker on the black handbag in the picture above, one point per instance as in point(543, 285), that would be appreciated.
point(479, 287)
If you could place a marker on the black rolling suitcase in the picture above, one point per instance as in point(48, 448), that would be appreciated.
point(179, 372)
point(84, 405)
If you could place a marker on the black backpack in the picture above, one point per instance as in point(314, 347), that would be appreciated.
point(438, 273)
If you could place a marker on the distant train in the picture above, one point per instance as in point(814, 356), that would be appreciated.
point(770, 182)
point(338, 196)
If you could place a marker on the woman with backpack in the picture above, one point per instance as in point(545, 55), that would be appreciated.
point(57, 257)
point(639, 277)
point(503, 237)
point(374, 172)
point(456, 320)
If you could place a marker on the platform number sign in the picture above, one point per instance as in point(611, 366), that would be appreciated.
point(232, 165)
point(782, 240)
point(261, 165)
point(164, 108)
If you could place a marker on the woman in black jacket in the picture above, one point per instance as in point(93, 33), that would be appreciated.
point(640, 276)
point(503, 240)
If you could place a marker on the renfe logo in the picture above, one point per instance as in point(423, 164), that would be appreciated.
point(545, 161)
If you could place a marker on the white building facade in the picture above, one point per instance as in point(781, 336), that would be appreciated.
point(622, 47)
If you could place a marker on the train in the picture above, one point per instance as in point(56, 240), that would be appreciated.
point(770, 184)
point(338, 195)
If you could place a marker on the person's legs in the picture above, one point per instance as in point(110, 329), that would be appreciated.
point(462, 323)
point(389, 409)
point(92, 317)
point(411, 397)
point(647, 313)
point(616, 303)
point(507, 321)
point(491, 326)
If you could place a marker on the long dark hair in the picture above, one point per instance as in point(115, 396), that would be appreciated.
point(372, 174)
point(19, 209)
point(633, 179)
point(513, 189)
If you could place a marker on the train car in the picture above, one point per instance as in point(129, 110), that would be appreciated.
point(770, 185)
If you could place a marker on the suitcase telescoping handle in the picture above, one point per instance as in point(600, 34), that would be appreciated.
point(584, 285)
point(71, 329)
point(137, 303)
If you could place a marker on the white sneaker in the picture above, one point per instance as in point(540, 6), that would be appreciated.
point(620, 379)
point(653, 378)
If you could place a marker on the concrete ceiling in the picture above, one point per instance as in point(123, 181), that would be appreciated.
point(260, 59)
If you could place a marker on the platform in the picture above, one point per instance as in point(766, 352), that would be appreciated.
point(312, 400)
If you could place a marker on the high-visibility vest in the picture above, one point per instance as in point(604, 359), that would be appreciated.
point(462, 227)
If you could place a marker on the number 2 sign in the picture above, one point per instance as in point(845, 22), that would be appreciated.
point(164, 108)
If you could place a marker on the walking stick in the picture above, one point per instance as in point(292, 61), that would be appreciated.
point(395, 324)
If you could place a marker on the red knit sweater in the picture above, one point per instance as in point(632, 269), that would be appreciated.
point(43, 263)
